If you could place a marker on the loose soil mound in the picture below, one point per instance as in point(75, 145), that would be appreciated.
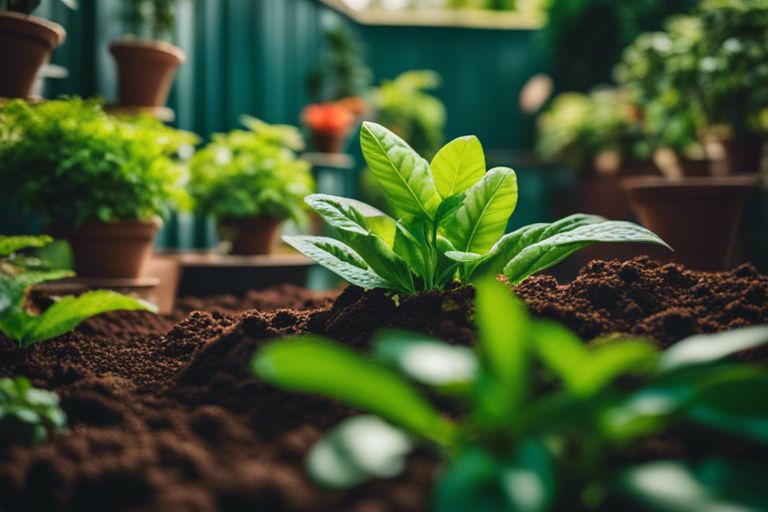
point(165, 417)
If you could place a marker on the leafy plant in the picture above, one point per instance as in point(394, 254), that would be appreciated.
point(71, 161)
point(252, 173)
point(451, 218)
point(536, 420)
point(19, 273)
point(27, 414)
point(157, 17)
point(27, 6)
point(342, 71)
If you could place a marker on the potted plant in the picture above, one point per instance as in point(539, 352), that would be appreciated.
point(101, 182)
point(27, 42)
point(146, 65)
point(330, 125)
point(251, 180)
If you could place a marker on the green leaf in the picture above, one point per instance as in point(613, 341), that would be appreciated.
point(504, 340)
point(427, 360)
point(338, 258)
point(448, 208)
point(552, 250)
point(31, 278)
point(412, 244)
point(446, 268)
point(528, 480)
point(402, 174)
point(712, 485)
point(65, 314)
point(458, 165)
point(357, 450)
point(483, 217)
point(310, 364)
point(708, 348)
point(11, 244)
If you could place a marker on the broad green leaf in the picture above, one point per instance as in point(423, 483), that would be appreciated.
point(504, 339)
point(464, 257)
point(11, 244)
point(65, 314)
point(458, 165)
point(402, 174)
point(483, 217)
point(528, 480)
point(357, 450)
point(446, 268)
point(552, 250)
point(310, 364)
point(31, 278)
point(412, 244)
point(709, 348)
point(427, 360)
point(338, 258)
point(713, 485)
point(353, 215)
point(384, 227)
point(448, 208)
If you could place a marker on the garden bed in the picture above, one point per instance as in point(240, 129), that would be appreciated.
point(164, 415)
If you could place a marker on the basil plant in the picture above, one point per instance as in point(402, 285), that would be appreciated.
point(538, 419)
point(450, 225)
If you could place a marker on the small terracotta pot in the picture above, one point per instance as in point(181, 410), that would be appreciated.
point(743, 154)
point(698, 217)
point(117, 249)
point(145, 71)
point(27, 43)
point(253, 235)
point(329, 142)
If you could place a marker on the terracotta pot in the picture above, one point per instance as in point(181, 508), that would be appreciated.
point(116, 249)
point(743, 154)
point(601, 193)
point(329, 142)
point(698, 217)
point(27, 43)
point(254, 235)
point(145, 71)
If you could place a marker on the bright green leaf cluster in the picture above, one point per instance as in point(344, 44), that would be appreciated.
point(537, 419)
point(27, 414)
point(452, 215)
point(18, 274)
point(252, 173)
point(105, 168)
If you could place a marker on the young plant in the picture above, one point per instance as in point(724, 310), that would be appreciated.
point(536, 421)
point(18, 274)
point(156, 18)
point(252, 173)
point(27, 415)
point(451, 218)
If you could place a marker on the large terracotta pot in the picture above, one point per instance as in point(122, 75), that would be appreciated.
point(253, 235)
point(145, 71)
point(26, 43)
point(329, 142)
point(601, 193)
point(743, 154)
point(699, 217)
point(117, 249)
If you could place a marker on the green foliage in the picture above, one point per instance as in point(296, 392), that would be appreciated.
point(18, 274)
point(536, 421)
point(576, 128)
point(156, 17)
point(27, 6)
point(451, 221)
point(342, 72)
point(27, 415)
point(252, 173)
point(404, 106)
point(72, 162)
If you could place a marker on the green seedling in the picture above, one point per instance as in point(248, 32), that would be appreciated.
point(452, 216)
point(538, 420)
point(27, 415)
point(19, 273)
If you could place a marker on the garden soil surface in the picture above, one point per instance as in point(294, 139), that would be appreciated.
point(164, 415)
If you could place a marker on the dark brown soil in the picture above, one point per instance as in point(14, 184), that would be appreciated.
point(165, 417)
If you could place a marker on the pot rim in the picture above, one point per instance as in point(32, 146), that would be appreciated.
point(59, 32)
point(699, 183)
point(150, 45)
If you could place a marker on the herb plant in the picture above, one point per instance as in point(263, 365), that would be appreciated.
point(27, 414)
point(451, 218)
point(71, 161)
point(27, 6)
point(252, 173)
point(19, 273)
point(539, 420)
point(156, 17)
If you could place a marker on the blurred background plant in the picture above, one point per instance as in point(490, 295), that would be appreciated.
point(341, 71)
point(151, 18)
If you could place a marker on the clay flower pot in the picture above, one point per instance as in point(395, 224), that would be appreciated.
point(117, 249)
point(698, 217)
point(743, 154)
point(145, 71)
point(253, 235)
point(27, 43)
point(601, 192)
point(329, 142)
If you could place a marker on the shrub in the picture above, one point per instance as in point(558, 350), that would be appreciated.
point(252, 173)
point(71, 161)
point(536, 421)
